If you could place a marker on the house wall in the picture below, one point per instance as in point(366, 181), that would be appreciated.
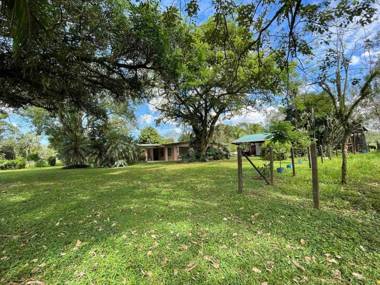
point(165, 153)
point(258, 148)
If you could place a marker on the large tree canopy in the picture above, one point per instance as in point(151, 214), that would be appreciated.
point(211, 80)
point(82, 48)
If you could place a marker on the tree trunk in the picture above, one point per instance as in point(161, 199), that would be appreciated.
point(200, 147)
point(202, 136)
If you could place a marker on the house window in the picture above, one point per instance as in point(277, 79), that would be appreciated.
point(169, 151)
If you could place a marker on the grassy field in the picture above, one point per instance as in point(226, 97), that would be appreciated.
point(185, 224)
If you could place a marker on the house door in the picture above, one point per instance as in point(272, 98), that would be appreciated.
point(156, 154)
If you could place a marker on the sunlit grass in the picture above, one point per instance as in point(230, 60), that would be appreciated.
point(174, 223)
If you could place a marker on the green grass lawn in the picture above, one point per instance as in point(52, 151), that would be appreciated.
point(175, 223)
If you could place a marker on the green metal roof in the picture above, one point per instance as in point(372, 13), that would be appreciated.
point(260, 137)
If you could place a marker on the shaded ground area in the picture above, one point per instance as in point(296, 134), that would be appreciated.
point(184, 223)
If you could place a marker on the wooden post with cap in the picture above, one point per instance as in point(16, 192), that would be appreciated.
point(240, 170)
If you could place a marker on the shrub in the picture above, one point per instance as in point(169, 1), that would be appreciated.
point(214, 152)
point(12, 164)
point(33, 157)
point(189, 156)
point(40, 163)
point(7, 150)
point(20, 163)
point(52, 160)
point(280, 150)
point(218, 152)
point(76, 166)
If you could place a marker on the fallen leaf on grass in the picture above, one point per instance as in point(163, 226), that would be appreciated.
point(78, 244)
point(269, 265)
point(190, 266)
point(302, 242)
point(147, 273)
point(149, 253)
point(331, 260)
point(256, 270)
point(214, 262)
point(358, 276)
point(80, 274)
point(307, 258)
point(337, 274)
point(299, 266)
point(183, 247)
point(165, 261)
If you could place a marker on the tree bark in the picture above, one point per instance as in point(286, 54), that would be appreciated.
point(200, 144)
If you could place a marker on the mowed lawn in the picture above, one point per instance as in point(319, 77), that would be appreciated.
point(177, 223)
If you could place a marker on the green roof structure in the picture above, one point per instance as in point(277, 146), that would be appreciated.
point(260, 137)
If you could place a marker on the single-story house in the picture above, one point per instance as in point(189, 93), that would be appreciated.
point(164, 152)
point(253, 142)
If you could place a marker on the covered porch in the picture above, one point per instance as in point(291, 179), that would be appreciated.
point(164, 152)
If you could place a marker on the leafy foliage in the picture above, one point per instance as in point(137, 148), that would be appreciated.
point(149, 135)
point(281, 150)
point(54, 52)
point(210, 80)
point(52, 160)
point(12, 164)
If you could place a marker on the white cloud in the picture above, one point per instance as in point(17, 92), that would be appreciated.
point(251, 116)
point(355, 60)
point(146, 119)
point(372, 54)
point(155, 102)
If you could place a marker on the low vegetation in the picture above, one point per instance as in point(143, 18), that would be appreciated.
point(176, 223)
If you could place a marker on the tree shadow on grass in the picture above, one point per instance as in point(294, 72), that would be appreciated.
point(99, 207)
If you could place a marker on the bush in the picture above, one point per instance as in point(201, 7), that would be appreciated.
point(12, 164)
point(218, 152)
point(8, 151)
point(33, 157)
point(20, 163)
point(76, 166)
point(214, 152)
point(280, 150)
point(189, 156)
point(40, 163)
point(52, 160)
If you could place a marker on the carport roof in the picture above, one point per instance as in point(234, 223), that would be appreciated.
point(260, 137)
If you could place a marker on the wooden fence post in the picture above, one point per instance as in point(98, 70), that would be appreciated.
point(329, 151)
point(293, 164)
point(308, 156)
point(240, 170)
point(271, 166)
point(314, 174)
